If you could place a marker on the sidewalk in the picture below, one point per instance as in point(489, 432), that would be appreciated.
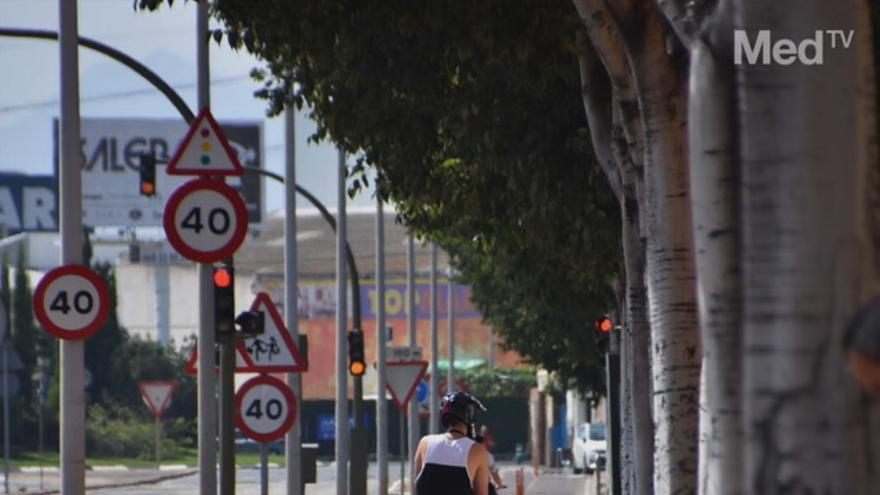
point(548, 482)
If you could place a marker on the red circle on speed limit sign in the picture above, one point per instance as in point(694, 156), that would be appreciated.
point(71, 302)
point(265, 408)
point(205, 220)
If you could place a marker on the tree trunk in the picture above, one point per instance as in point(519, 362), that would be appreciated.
point(605, 118)
point(714, 186)
point(637, 336)
point(806, 145)
point(675, 364)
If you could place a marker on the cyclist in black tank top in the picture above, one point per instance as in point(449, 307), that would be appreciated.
point(452, 462)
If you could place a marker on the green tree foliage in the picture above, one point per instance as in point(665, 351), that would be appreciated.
point(24, 330)
point(5, 289)
point(470, 114)
point(102, 349)
point(490, 383)
point(468, 111)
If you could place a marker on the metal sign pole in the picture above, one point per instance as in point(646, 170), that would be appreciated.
point(291, 289)
point(342, 430)
point(412, 407)
point(5, 345)
point(73, 411)
point(158, 441)
point(207, 404)
point(381, 348)
point(402, 414)
point(434, 399)
point(264, 469)
point(450, 303)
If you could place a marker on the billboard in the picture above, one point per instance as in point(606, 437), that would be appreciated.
point(28, 203)
point(111, 149)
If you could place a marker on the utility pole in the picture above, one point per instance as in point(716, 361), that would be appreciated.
point(291, 308)
point(382, 430)
point(450, 294)
point(413, 406)
point(207, 386)
point(433, 392)
point(342, 430)
point(73, 411)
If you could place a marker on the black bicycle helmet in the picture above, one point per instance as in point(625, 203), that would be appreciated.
point(460, 407)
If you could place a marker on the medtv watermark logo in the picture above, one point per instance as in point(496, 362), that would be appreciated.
point(764, 50)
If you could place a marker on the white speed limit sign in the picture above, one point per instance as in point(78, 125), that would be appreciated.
point(71, 302)
point(205, 220)
point(265, 408)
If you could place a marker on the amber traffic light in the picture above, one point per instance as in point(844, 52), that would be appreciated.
point(357, 365)
point(148, 175)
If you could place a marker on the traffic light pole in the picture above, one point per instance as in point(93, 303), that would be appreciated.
point(226, 342)
point(612, 369)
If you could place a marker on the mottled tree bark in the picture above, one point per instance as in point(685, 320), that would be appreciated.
point(807, 139)
point(670, 277)
point(604, 114)
point(714, 183)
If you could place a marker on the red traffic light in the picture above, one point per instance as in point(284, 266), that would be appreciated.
point(222, 277)
point(604, 325)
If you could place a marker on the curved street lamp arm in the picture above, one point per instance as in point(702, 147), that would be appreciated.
point(355, 284)
point(189, 116)
point(117, 55)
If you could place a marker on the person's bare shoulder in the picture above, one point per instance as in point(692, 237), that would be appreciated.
point(479, 454)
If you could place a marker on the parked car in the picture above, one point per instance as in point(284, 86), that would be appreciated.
point(244, 445)
point(588, 448)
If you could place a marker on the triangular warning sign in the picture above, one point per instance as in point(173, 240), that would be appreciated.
point(243, 361)
point(402, 378)
point(157, 395)
point(274, 351)
point(204, 150)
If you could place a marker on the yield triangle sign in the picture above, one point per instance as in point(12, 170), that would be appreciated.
point(157, 395)
point(402, 378)
point(243, 361)
point(274, 351)
point(204, 150)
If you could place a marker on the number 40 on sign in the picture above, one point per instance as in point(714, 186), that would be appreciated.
point(265, 408)
point(71, 302)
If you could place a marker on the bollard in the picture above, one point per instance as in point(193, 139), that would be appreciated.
point(520, 484)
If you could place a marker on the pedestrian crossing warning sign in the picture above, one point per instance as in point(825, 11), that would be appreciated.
point(205, 150)
point(274, 351)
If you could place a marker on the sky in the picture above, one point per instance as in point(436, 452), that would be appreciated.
point(165, 42)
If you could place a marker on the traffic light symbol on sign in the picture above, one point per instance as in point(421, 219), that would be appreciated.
point(224, 299)
point(357, 365)
point(148, 175)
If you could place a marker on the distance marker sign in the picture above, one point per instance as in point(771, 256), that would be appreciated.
point(264, 408)
point(205, 220)
point(71, 302)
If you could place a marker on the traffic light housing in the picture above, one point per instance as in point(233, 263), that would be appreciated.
point(251, 323)
point(357, 365)
point(148, 175)
point(604, 324)
point(224, 299)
